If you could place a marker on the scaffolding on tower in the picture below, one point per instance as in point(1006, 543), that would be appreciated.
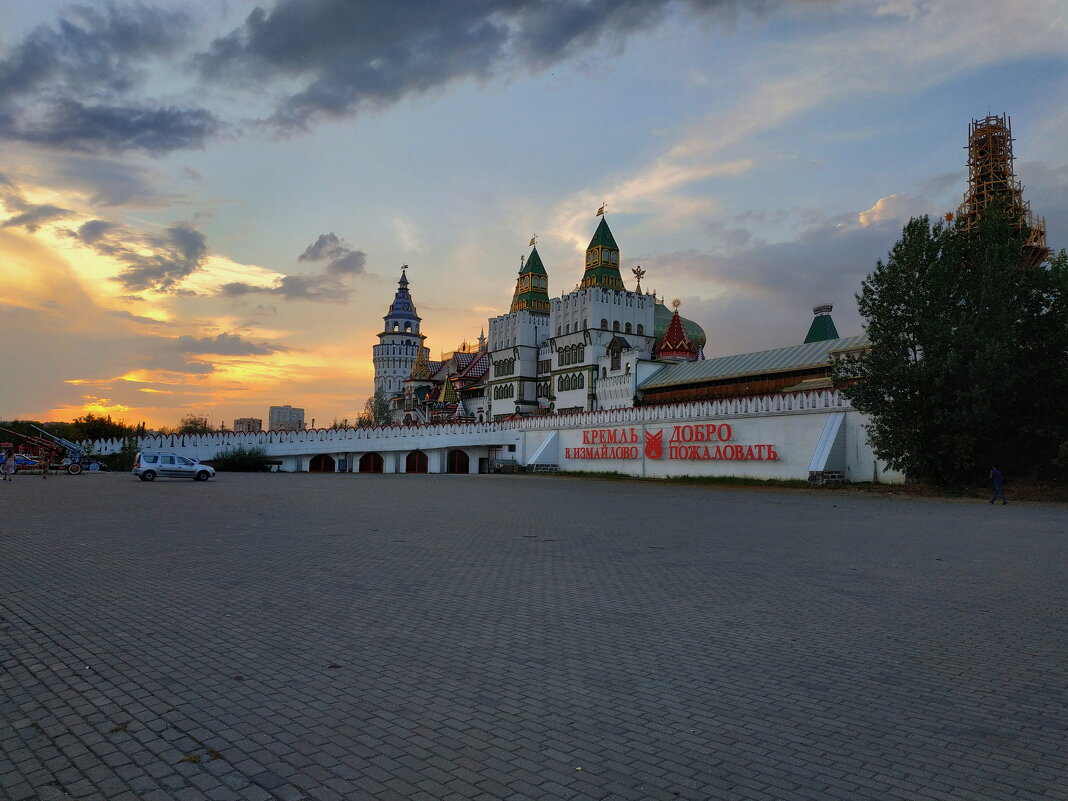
point(991, 179)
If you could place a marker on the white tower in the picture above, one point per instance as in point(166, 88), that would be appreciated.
point(399, 343)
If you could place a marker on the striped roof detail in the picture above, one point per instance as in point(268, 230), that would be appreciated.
point(780, 360)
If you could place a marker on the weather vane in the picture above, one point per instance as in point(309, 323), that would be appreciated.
point(534, 240)
point(639, 273)
point(602, 210)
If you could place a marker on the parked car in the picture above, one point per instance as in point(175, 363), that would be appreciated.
point(148, 465)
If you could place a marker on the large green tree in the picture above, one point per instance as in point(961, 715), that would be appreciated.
point(968, 365)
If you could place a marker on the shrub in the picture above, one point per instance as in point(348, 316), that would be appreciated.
point(242, 460)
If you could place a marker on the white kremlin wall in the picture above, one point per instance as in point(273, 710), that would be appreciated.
point(784, 436)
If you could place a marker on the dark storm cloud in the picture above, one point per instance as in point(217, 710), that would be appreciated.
point(72, 125)
point(65, 85)
point(154, 261)
point(340, 258)
point(92, 49)
point(351, 56)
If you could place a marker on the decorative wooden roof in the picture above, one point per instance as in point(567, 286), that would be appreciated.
point(676, 343)
point(421, 368)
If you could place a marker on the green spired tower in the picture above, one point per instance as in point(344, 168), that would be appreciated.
point(602, 260)
point(531, 286)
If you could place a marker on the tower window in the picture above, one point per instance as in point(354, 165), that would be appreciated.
point(641, 329)
point(626, 328)
point(604, 323)
point(615, 325)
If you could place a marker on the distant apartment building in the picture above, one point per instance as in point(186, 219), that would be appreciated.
point(286, 418)
point(248, 424)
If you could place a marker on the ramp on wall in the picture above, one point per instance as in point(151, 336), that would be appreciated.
point(828, 461)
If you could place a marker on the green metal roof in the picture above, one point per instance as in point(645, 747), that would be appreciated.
point(662, 319)
point(780, 360)
point(602, 237)
point(533, 264)
point(822, 328)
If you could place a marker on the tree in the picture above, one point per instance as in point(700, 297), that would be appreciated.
point(194, 424)
point(969, 353)
point(377, 411)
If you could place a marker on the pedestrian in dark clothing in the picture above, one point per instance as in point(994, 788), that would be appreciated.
point(997, 478)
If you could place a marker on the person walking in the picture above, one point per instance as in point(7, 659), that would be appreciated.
point(997, 478)
point(8, 466)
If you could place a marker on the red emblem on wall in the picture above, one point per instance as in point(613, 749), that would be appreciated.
point(654, 444)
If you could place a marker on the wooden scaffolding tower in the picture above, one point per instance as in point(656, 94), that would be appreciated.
point(991, 178)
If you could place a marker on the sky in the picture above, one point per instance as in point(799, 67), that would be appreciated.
point(204, 207)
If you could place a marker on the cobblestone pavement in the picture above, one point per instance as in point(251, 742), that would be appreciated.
point(525, 637)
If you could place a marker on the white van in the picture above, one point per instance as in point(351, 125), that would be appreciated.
point(150, 464)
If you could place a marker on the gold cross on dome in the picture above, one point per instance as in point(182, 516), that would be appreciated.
point(675, 304)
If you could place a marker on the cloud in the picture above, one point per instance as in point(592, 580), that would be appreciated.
point(113, 182)
point(65, 86)
point(891, 207)
point(316, 288)
point(340, 258)
point(347, 57)
point(28, 215)
point(777, 283)
point(72, 125)
point(325, 287)
point(35, 216)
point(153, 261)
point(222, 345)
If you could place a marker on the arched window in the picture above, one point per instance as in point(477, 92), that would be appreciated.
point(567, 328)
point(641, 329)
point(615, 326)
point(604, 323)
point(626, 329)
point(407, 328)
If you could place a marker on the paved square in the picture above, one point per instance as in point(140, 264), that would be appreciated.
point(523, 637)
